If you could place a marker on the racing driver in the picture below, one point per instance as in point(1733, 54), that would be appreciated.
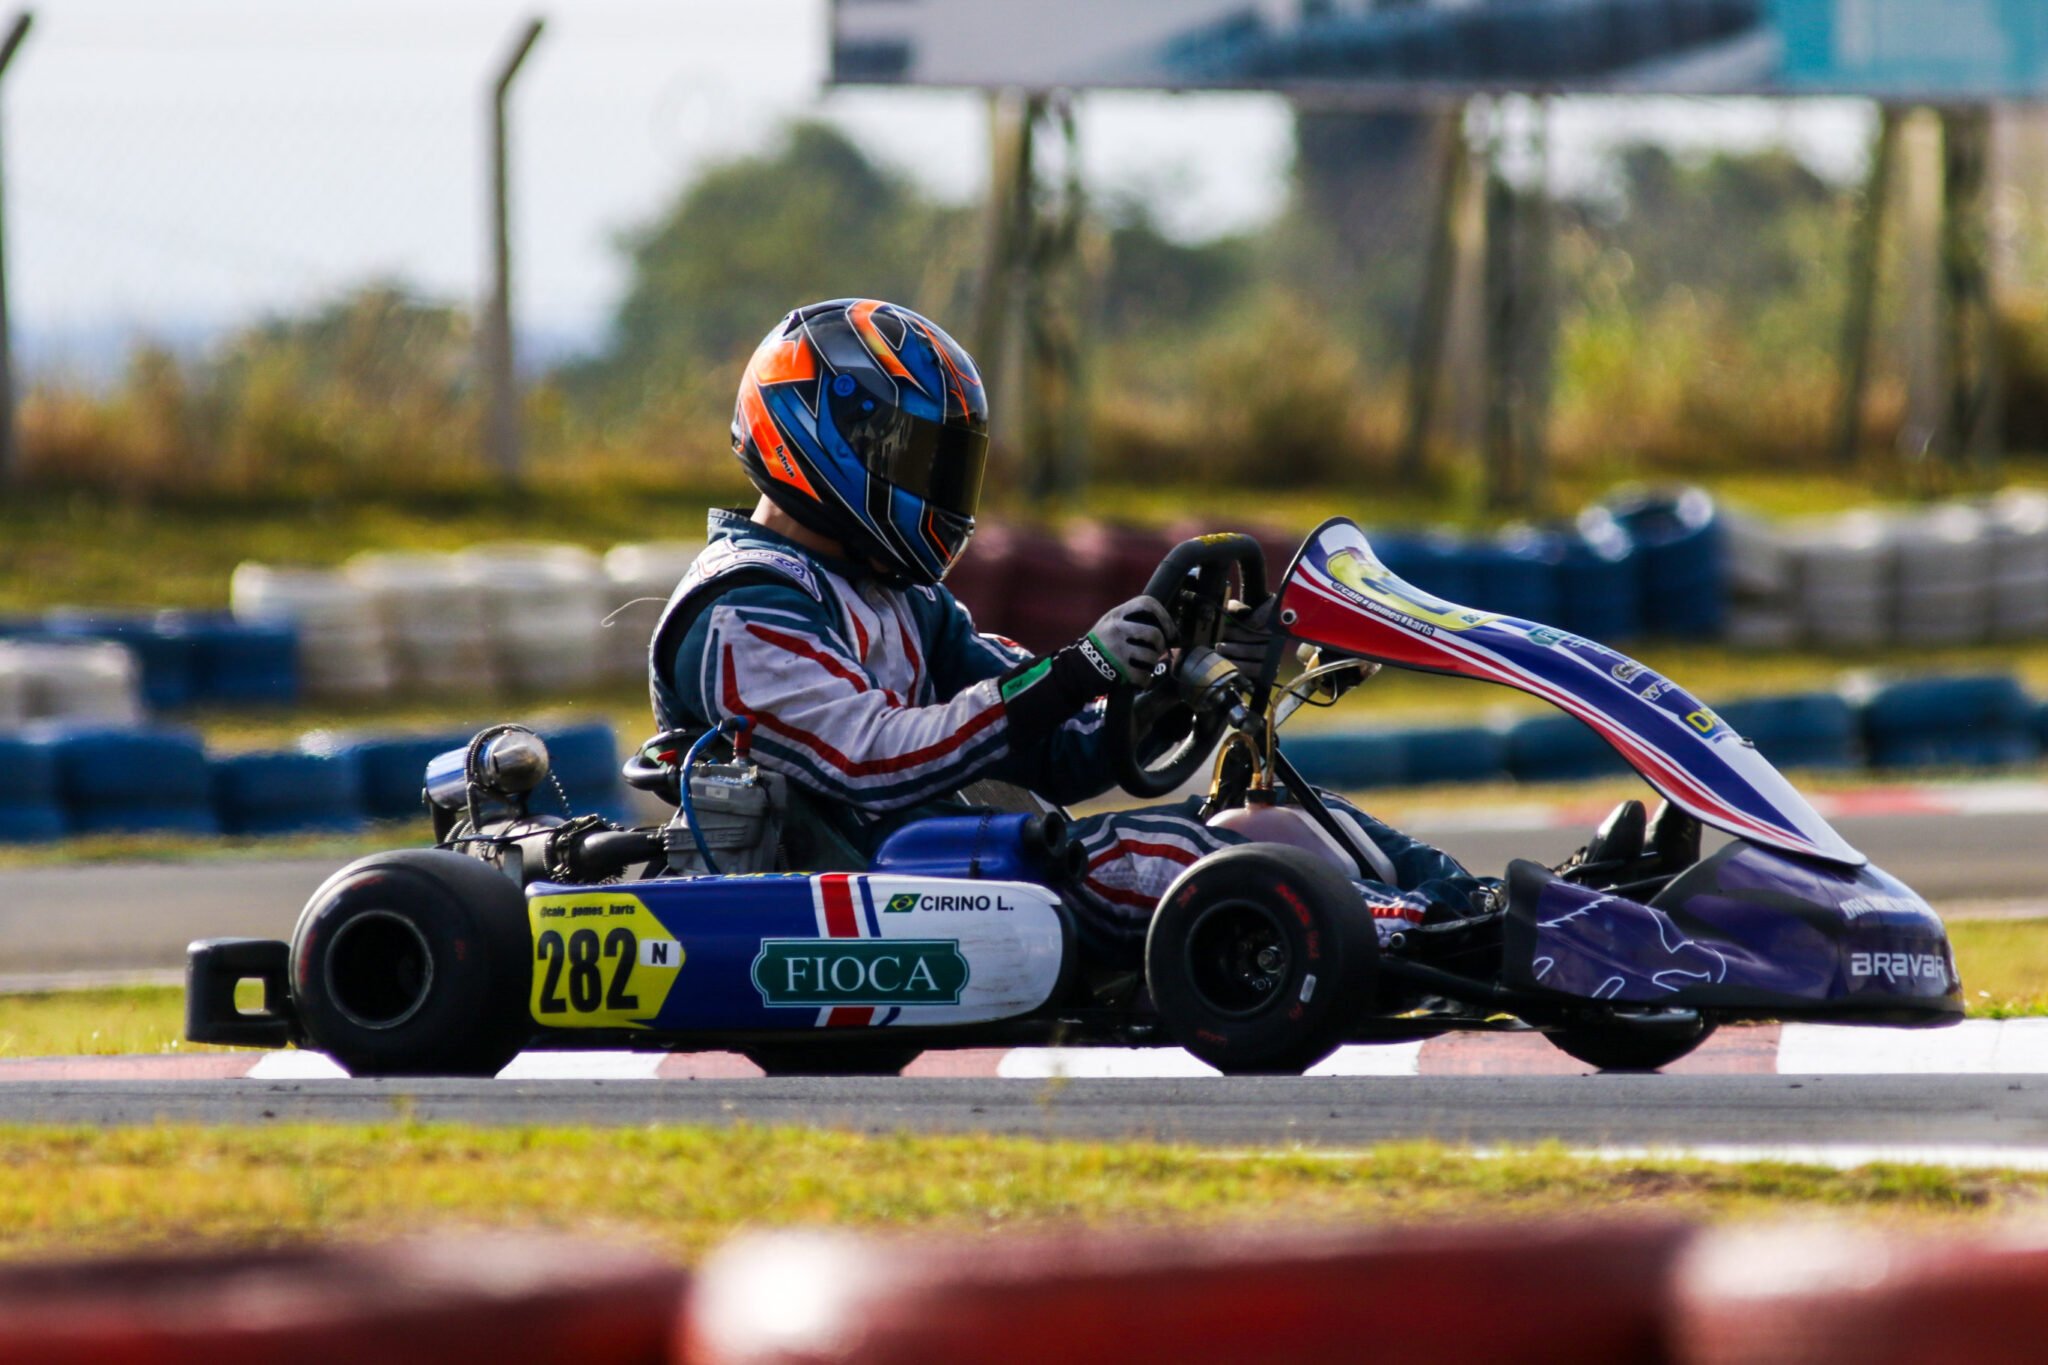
point(821, 617)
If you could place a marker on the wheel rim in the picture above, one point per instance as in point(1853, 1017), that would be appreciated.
point(379, 970)
point(1238, 958)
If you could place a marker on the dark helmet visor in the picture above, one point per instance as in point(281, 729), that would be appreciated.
point(937, 461)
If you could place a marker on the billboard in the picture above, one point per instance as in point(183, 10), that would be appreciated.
point(1944, 50)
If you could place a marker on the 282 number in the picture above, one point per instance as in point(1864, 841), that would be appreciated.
point(578, 957)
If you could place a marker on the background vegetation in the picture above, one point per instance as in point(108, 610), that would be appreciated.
point(1700, 305)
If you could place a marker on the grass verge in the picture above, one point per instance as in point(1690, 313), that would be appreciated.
point(683, 1189)
point(2004, 965)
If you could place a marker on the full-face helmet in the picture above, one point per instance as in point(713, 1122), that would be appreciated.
point(866, 423)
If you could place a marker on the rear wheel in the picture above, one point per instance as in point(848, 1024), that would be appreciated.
point(1259, 958)
point(414, 964)
point(1634, 1042)
point(859, 1059)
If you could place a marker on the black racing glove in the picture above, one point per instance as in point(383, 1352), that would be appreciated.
point(1121, 651)
point(1247, 634)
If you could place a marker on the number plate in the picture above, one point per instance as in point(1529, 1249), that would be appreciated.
point(600, 960)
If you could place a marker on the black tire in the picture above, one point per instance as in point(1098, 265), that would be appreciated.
point(859, 1059)
point(1259, 958)
point(414, 963)
point(1647, 1042)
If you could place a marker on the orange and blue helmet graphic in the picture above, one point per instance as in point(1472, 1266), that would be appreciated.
point(867, 423)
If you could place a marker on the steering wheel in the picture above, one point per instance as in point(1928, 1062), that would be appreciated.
point(1193, 582)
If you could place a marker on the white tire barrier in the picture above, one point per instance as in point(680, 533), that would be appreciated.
point(1944, 577)
point(1843, 573)
point(639, 579)
point(2018, 527)
point(64, 681)
point(344, 648)
point(543, 612)
point(438, 622)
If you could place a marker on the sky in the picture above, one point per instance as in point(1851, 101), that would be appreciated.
point(174, 166)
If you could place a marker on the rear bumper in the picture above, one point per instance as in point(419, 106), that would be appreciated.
point(213, 967)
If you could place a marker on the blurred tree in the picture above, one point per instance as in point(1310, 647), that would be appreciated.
point(749, 240)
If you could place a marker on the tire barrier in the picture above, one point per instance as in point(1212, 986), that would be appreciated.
point(436, 618)
point(68, 681)
point(1588, 1293)
point(1678, 539)
point(1559, 749)
point(1987, 720)
point(129, 781)
point(344, 650)
point(291, 792)
point(389, 769)
point(1350, 760)
point(1456, 753)
point(57, 780)
point(31, 807)
point(639, 581)
point(544, 609)
point(2018, 525)
point(506, 1299)
point(1804, 730)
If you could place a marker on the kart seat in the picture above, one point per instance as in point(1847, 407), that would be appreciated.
point(1619, 840)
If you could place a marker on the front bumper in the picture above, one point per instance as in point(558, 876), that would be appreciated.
point(213, 968)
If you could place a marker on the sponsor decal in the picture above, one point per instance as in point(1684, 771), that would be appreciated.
point(600, 960)
point(1544, 635)
point(1626, 670)
point(903, 902)
point(1856, 907)
point(810, 973)
point(1097, 661)
point(762, 557)
point(1900, 966)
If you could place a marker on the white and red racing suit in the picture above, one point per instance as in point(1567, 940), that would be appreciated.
point(883, 702)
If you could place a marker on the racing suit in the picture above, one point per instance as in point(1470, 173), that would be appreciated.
point(880, 703)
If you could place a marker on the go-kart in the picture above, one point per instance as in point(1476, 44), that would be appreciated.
point(525, 931)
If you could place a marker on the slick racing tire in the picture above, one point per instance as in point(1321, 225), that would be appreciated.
point(414, 964)
point(1633, 1042)
point(860, 1059)
point(1260, 958)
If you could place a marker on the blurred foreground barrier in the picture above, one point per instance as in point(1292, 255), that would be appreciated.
point(1985, 720)
point(505, 1300)
point(1585, 1294)
point(1805, 1295)
point(30, 808)
point(126, 781)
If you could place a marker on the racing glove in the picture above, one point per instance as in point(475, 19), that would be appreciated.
point(1247, 635)
point(1121, 651)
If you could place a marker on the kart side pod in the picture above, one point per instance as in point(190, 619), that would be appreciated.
point(1748, 931)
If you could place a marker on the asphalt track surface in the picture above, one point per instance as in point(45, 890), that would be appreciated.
point(1995, 1113)
point(138, 917)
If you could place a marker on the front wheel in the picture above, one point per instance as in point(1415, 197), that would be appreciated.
point(1633, 1042)
point(414, 964)
point(1259, 958)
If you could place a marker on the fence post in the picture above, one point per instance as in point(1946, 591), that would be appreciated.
point(10, 454)
point(501, 378)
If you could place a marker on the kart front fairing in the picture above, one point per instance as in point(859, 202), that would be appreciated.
point(1337, 594)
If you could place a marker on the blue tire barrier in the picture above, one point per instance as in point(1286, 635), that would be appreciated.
point(165, 660)
point(586, 762)
point(393, 770)
point(1979, 720)
point(1803, 730)
point(1559, 749)
point(1433, 561)
point(30, 811)
point(1678, 537)
point(1349, 760)
point(1518, 576)
point(1459, 753)
point(24, 823)
point(1966, 704)
point(143, 818)
point(280, 793)
point(2041, 725)
point(1599, 588)
point(1990, 749)
point(104, 768)
point(238, 663)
